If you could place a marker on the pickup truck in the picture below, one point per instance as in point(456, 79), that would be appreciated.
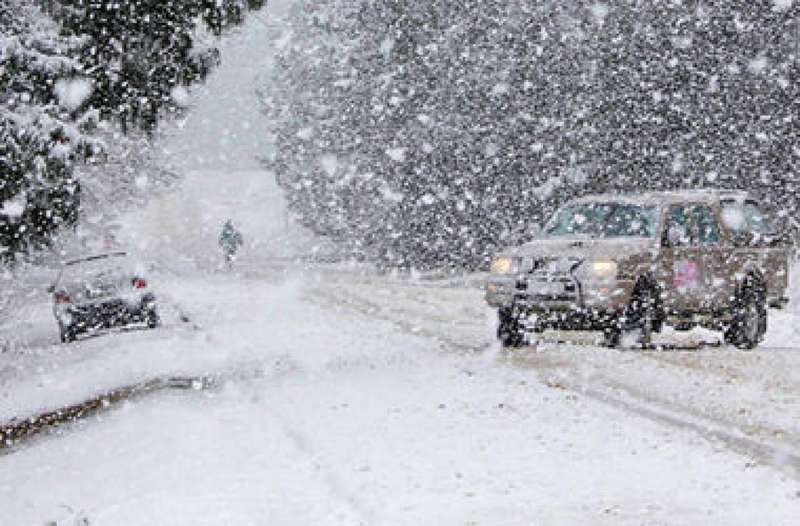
point(627, 265)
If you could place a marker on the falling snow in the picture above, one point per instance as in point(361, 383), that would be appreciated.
point(73, 93)
point(348, 217)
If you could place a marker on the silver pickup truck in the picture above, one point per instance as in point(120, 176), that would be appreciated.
point(630, 264)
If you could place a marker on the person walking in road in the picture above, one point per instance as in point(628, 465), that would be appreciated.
point(230, 240)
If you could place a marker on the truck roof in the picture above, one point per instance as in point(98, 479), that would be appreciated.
point(669, 197)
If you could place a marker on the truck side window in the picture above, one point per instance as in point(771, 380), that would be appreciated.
point(678, 232)
point(757, 220)
point(707, 228)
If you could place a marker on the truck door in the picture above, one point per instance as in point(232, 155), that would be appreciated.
point(717, 281)
point(680, 271)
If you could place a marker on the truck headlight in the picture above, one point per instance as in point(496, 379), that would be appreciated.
point(603, 269)
point(503, 265)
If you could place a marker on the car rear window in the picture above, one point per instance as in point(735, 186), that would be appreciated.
point(111, 267)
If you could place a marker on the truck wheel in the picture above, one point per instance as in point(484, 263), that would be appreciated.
point(643, 316)
point(749, 323)
point(510, 332)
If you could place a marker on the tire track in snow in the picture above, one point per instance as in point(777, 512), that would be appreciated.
point(728, 370)
point(783, 440)
point(783, 455)
point(392, 315)
point(353, 511)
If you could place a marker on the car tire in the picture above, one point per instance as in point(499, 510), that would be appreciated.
point(510, 331)
point(749, 320)
point(67, 333)
point(152, 319)
point(612, 336)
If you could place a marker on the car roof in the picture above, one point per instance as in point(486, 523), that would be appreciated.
point(666, 198)
point(94, 258)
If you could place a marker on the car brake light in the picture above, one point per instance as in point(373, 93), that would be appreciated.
point(139, 283)
point(62, 297)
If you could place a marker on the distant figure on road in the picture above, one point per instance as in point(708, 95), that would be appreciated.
point(230, 240)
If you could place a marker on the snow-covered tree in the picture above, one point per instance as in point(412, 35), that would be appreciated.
point(139, 51)
point(71, 71)
point(405, 128)
point(41, 132)
point(696, 95)
point(428, 133)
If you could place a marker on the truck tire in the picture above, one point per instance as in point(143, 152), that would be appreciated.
point(643, 316)
point(749, 321)
point(510, 331)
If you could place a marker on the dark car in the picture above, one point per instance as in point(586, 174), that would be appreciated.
point(102, 291)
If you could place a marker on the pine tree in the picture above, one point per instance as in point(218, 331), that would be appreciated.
point(431, 133)
point(70, 69)
point(136, 52)
point(40, 139)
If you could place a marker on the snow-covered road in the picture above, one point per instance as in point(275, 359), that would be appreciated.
point(749, 397)
point(350, 398)
point(346, 397)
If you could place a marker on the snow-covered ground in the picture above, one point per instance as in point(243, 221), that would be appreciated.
point(393, 407)
point(344, 396)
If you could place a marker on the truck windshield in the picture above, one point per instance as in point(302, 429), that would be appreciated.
point(604, 220)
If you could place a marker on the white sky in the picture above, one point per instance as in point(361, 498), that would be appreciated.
point(223, 128)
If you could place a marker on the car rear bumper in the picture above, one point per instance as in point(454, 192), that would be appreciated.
point(103, 314)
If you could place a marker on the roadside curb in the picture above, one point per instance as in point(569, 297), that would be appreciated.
point(16, 432)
